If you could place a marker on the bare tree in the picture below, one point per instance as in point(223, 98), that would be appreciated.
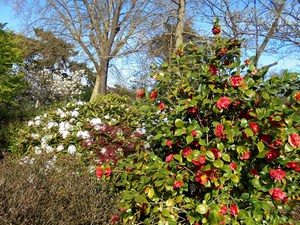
point(267, 26)
point(103, 29)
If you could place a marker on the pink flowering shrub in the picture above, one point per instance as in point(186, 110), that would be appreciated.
point(224, 146)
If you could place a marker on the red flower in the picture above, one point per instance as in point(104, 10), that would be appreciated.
point(232, 166)
point(216, 30)
point(272, 154)
point(294, 140)
point(200, 161)
point(253, 172)
point(201, 178)
point(216, 153)
point(153, 95)
point(297, 96)
point(237, 81)
point(179, 52)
point(213, 70)
point(277, 174)
point(265, 138)
point(278, 142)
point(177, 184)
point(194, 133)
point(223, 103)
point(219, 131)
point(247, 62)
point(254, 127)
point(140, 93)
point(277, 194)
point(99, 172)
point(234, 209)
point(223, 210)
point(292, 165)
point(223, 51)
point(115, 219)
point(107, 172)
point(169, 158)
point(169, 143)
point(186, 151)
point(161, 106)
point(246, 156)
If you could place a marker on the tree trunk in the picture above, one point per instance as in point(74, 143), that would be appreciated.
point(100, 87)
point(180, 23)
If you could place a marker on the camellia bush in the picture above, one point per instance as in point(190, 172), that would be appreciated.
point(224, 140)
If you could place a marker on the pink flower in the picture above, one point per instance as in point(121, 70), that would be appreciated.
point(153, 95)
point(297, 96)
point(99, 172)
point(245, 156)
point(169, 158)
point(292, 165)
point(169, 143)
point(115, 219)
point(223, 210)
point(213, 70)
point(140, 93)
point(194, 133)
point(237, 81)
point(277, 174)
point(294, 140)
point(107, 172)
point(200, 161)
point(254, 127)
point(277, 194)
point(234, 209)
point(223, 103)
point(219, 131)
point(232, 166)
point(186, 151)
point(177, 184)
point(161, 106)
point(216, 30)
point(201, 178)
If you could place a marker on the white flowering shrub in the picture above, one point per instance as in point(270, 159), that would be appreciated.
point(47, 88)
point(101, 131)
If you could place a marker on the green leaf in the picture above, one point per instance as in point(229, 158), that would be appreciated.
point(202, 209)
point(220, 146)
point(140, 199)
point(150, 193)
point(245, 196)
point(235, 178)
point(242, 214)
point(262, 154)
point(260, 146)
point(157, 136)
point(189, 139)
point(288, 148)
point(265, 95)
point(179, 123)
point(248, 132)
point(250, 93)
point(226, 157)
point(218, 163)
point(178, 157)
point(127, 195)
point(178, 132)
point(210, 156)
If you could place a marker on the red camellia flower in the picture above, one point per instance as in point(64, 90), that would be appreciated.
point(140, 93)
point(169, 158)
point(99, 172)
point(186, 151)
point(200, 161)
point(292, 165)
point(245, 156)
point(254, 127)
point(216, 30)
point(277, 174)
point(223, 103)
point(107, 172)
point(294, 140)
point(169, 143)
point(223, 51)
point(234, 209)
point(194, 133)
point(277, 194)
point(272, 154)
point(179, 52)
point(201, 178)
point(177, 184)
point(237, 81)
point(265, 138)
point(232, 166)
point(297, 96)
point(161, 106)
point(223, 210)
point(153, 95)
point(115, 219)
point(253, 171)
point(213, 70)
point(216, 153)
point(219, 131)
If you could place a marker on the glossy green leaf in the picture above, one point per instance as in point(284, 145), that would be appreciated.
point(179, 123)
point(202, 208)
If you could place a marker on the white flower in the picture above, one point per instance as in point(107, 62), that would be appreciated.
point(65, 134)
point(60, 148)
point(95, 121)
point(45, 115)
point(37, 118)
point(50, 125)
point(74, 113)
point(141, 130)
point(30, 123)
point(72, 149)
point(49, 149)
point(103, 150)
point(37, 150)
point(37, 122)
point(35, 136)
point(106, 117)
point(83, 134)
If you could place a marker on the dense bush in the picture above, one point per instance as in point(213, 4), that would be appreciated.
point(224, 143)
point(49, 189)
